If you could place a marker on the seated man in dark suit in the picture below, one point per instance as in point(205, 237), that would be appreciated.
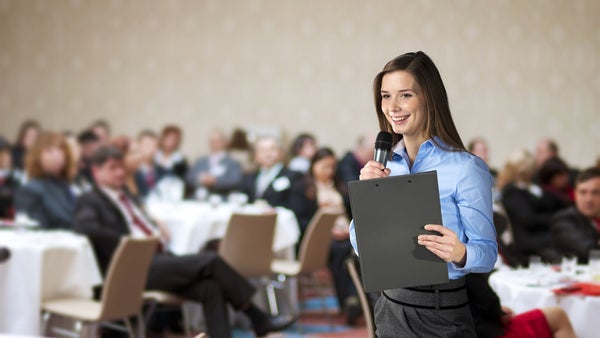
point(272, 182)
point(576, 230)
point(107, 213)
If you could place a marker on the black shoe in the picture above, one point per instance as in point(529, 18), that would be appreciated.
point(273, 324)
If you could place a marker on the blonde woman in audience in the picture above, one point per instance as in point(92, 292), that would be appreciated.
point(48, 197)
point(527, 206)
point(169, 159)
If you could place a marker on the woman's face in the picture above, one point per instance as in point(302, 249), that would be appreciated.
point(169, 142)
point(324, 169)
point(403, 104)
point(53, 160)
point(309, 148)
point(30, 136)
point(133, 158)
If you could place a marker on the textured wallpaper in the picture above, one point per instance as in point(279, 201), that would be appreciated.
point(515, 70)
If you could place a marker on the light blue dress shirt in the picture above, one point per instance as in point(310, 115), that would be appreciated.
point(465, 187)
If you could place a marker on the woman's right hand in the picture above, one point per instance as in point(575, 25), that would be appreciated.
point(373, 169)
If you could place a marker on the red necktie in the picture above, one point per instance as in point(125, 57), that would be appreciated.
point(597, 221)
point(136, 220)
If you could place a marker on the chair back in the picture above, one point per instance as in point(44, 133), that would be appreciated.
point(248, 244)
point(126, 277)
point(315, 246)
point(362, 296)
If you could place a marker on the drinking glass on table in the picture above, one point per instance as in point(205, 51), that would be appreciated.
point(535, 263)
point(594, 263)
point(568, 265)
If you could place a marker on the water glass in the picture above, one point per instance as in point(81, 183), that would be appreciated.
point(535, 263)
point(594, 263)
point(568, 265)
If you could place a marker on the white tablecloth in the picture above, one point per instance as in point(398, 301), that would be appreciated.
point(192, 223)
point(43, 265)
point(524, 290)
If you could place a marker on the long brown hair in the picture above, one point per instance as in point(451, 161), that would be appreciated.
point(439, 119)
point(311, 188)
point(33, 163)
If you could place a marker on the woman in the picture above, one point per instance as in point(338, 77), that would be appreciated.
point(169, 160)
point(553, 177)
point(47, 196)
point(528, 207)
point(302, 150)
point(28, 133)
point(320, 189)
point(411, 103)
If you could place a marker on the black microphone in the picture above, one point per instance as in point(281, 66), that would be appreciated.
point(383, 147)
point(4, 254)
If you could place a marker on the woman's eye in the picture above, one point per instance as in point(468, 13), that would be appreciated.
point(406, 95)
point(385, 96)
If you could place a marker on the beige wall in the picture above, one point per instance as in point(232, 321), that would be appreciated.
point(515, 70)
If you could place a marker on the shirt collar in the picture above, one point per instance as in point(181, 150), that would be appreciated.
point(113, 194)
point(400, 147)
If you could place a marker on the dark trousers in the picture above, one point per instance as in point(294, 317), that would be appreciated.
point(344, 288)
point(205, 278)
point(423, 312)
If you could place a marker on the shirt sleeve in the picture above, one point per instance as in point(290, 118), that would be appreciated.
point(353, 237)
point(474, 202)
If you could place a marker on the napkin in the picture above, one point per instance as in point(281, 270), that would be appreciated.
point(580, 288)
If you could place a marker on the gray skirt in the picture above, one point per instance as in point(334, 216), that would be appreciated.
point(425, 311)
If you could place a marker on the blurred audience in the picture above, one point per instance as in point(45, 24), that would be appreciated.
point(348, 168)
point(148, 173)
point(28, 134)
point(240, 150)
point(102, 129)
point(576, 230)
point(107, 213)
point(216, 173)
point(553, 177)
point(272, 182)
point(527, 206)
point(9, 181)
point(320, 189)
point(47, 197)
point(169, 158)
point(302, 150)
point(479, 147)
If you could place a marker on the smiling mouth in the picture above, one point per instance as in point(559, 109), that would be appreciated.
point(399, 118)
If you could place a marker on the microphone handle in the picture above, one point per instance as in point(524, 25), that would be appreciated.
point(381, 156)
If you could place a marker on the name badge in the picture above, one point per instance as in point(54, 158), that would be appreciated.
point(281, 184)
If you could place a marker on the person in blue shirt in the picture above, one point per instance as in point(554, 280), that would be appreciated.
point(412, 104)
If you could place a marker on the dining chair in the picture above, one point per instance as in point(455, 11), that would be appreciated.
point(248, 247)
point(153, 298)
point(122, 292)
point(362, 297)
point(313, 254)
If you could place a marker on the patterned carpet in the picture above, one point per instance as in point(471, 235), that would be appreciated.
point(315, 323)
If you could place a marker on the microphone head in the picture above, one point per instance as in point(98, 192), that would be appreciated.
point(384, 141)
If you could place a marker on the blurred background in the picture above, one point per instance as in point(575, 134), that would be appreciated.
point(516, 71)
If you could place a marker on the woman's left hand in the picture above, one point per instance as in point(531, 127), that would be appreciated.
point(447, 246)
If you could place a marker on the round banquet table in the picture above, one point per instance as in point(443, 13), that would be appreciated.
point(43, 265)
point(526, 289)
point(192, 224)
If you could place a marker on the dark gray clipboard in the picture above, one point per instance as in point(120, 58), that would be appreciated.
point(389, 213)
